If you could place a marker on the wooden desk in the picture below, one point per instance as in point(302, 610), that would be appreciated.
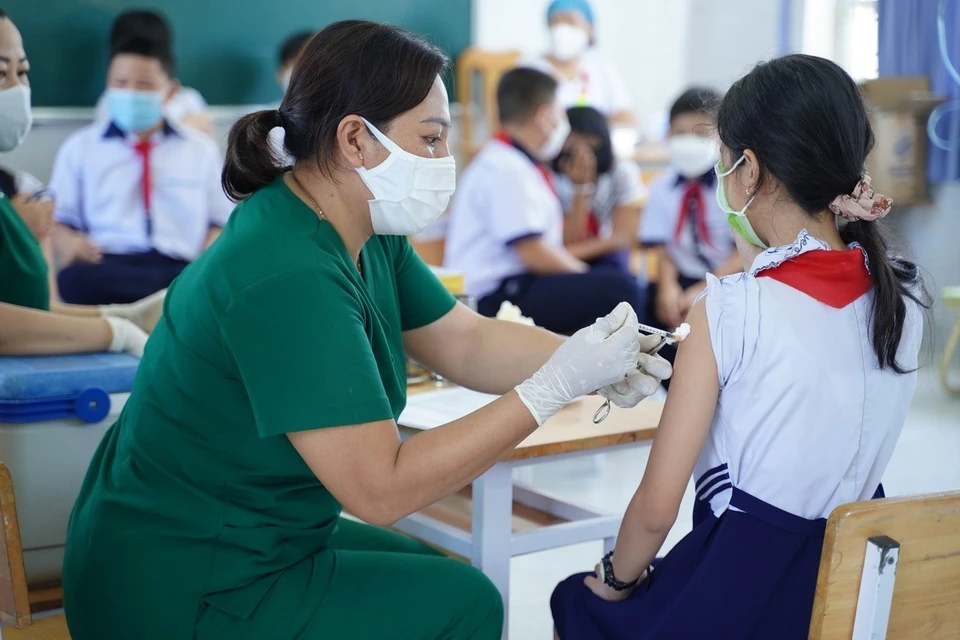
point(497, 518)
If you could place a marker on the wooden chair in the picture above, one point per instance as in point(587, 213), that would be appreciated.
point(890, 569)
point(951, 298)
point(480, 105)
point(16, 620)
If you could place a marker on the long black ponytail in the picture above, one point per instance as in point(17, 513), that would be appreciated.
point(805, 119)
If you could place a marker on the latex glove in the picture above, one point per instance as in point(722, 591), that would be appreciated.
point(593, 357)
point(126, 337)
point(144, 313)
point(643, 381)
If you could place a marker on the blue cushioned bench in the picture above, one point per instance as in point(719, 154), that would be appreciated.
point(34, 389)
point(53, 414)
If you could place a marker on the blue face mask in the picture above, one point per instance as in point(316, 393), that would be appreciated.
point(135, 111)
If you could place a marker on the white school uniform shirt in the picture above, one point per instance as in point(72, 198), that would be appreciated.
point(186, 101)
point(694, 255)
point(806, 420)
point(501, 198)
point(621, 186)
point(97, 182)
point(597, 84)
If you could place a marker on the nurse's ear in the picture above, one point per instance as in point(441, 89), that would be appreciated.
point(357, 144)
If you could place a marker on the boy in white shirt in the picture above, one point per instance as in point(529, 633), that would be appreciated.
point(139, 197)
point(505, 231)
point(682, 219)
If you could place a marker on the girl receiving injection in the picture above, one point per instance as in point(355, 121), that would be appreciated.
point(790, 391)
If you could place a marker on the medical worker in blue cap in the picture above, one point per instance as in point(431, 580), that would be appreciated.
point(587, 78)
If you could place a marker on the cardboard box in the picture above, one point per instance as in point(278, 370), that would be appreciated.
point(899, 111)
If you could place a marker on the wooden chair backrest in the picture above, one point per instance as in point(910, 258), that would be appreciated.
point(14, 600)
point(926, 593)
point(489, 66)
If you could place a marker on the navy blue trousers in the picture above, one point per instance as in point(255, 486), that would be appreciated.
point(118, 279)
point(565, 303)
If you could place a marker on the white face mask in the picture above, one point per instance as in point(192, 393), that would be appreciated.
point(409, 192)
point(568, 41)
point(554, 144)
point(692, 155)
point(15, 116)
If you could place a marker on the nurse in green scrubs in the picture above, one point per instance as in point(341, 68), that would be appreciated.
point(267, 399)
point(24, 279)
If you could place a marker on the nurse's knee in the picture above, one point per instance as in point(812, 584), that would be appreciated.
point(482, 609)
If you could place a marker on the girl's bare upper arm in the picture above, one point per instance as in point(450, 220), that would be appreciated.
point(686, 418)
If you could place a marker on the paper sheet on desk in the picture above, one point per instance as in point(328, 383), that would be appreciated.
point(434, 408)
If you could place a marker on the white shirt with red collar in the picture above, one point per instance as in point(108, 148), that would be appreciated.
point(504, 196)
point(806, 419)
point(683, 215)
point(129, 198)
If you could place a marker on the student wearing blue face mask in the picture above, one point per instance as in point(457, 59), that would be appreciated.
point(138, 197)
point(186, 106)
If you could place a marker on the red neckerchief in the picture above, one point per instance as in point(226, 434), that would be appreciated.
point(143, 149)
point(835, 278)
point(544, 172)
point(693, 194)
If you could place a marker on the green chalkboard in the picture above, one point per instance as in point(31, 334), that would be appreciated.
point(226, 49)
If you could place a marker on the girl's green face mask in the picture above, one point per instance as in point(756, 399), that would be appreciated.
point(736, 219)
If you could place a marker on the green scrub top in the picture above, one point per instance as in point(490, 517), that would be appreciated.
point(196, 498)
point(23, 269)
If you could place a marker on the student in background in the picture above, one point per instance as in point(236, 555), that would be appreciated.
point(186, 105)
point(505, 231)
point(288, 55)
point(586, 77)
point(601, 196)
point(682, 218)
point(790, 392)
point(138, 197)
point(26, 326)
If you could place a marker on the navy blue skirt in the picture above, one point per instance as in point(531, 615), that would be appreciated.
point(749, 574)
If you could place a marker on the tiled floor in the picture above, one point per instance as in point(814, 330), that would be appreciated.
point(926, 460)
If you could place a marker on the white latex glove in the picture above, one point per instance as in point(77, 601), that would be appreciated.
point(643, 381)
point(126, 337)
point(144, 312)
point(593, 357)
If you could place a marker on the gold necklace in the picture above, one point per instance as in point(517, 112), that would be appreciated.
point(319, 211)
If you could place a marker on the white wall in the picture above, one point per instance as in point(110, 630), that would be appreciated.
point(726, 39)
point(660, 46)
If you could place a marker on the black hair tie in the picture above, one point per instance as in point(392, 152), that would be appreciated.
point(278, 118)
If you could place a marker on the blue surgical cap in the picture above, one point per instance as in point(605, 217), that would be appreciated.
point(580, 6)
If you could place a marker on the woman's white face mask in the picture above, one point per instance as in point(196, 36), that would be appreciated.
point(409, 191)
point(568, 41)
point(15, 117)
